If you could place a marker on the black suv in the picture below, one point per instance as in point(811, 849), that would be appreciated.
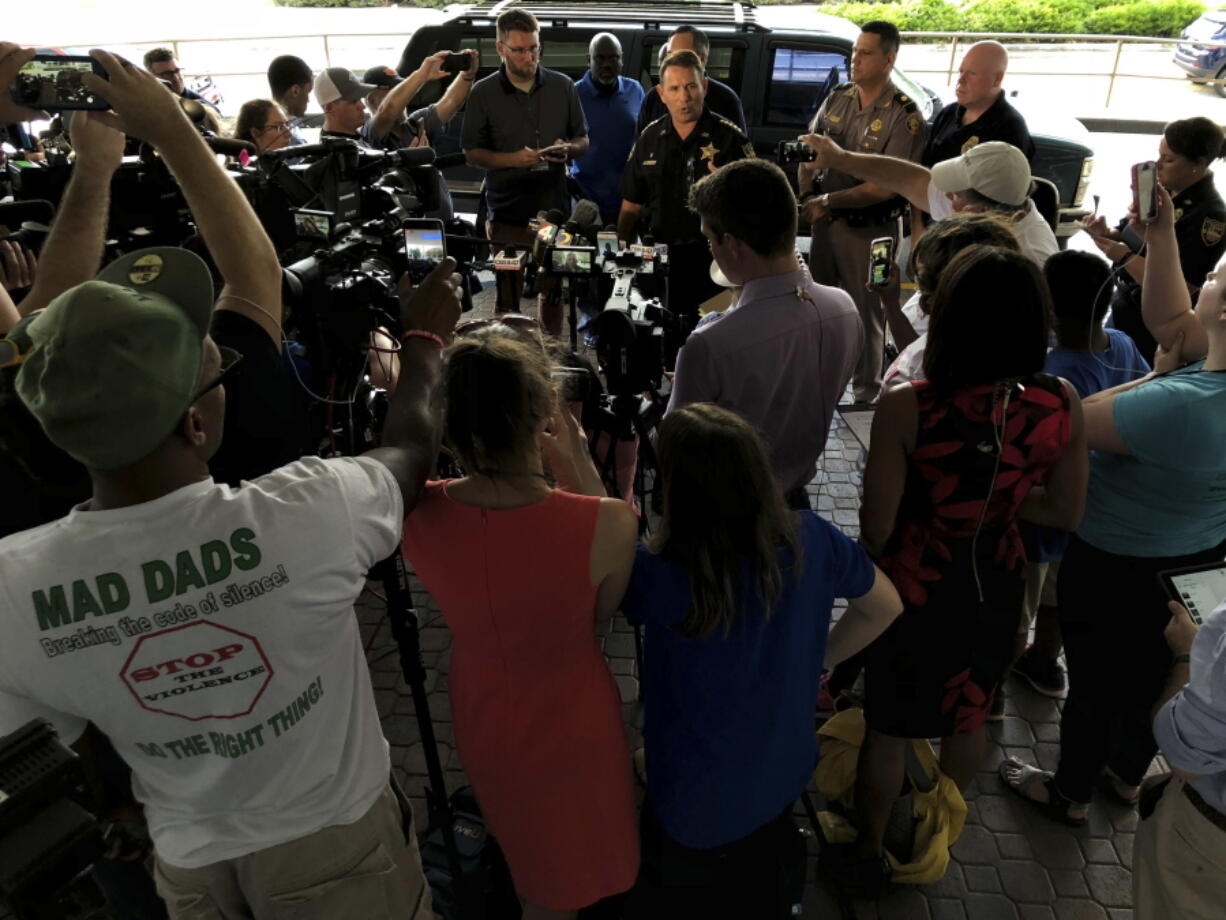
point(781, 74)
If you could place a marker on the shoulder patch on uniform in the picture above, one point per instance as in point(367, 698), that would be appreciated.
point(729, 124)
point(1211, 230)
point(905, 101)
point(914, 123)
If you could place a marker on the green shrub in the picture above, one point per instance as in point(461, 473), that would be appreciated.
point(1165, 18)
point(1026, 15)
point(1160, 18)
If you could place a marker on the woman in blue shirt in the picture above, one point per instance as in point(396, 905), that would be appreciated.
point(1156, 501)
point(736, 593)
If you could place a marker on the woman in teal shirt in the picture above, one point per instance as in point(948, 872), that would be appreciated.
point(1157, 501)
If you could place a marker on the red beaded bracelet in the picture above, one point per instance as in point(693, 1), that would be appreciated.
point(422, 334)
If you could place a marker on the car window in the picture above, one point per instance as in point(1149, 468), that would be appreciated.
point(725, 63)
point(800, 80)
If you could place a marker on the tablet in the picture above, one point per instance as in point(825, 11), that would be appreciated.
point(1200, 588)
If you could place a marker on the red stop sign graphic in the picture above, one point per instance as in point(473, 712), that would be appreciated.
point(197, 671)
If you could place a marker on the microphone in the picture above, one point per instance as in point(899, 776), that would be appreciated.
point(323, 148)
point(584, 218)
point(408, 156)
point(230, 146)
point(450, 160)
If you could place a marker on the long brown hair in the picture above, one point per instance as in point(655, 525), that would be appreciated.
point(722, 509)
point(497, 392)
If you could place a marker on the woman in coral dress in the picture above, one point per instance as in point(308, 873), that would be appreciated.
point(522, 571)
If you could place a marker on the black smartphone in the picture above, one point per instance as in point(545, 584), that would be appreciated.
point(52, 83)
point(880, 260)
point(425, 245)
point(457, 63)
point(1200, 588)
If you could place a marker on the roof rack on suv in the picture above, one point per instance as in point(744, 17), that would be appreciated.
point(653, 14)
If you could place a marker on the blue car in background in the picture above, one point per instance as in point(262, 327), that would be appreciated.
point(1205, 64)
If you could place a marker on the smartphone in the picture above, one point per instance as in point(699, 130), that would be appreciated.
point(571, 260)
point(457, 63)
point(1200, 588)
point(1145, 191)
point(52, 82)
point(552, 150)
point(880, 260)
point(425, 245)
point(313, 225)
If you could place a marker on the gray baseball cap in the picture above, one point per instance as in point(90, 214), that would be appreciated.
point(338, 83)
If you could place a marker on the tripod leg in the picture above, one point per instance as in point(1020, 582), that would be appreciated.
point(404, 624)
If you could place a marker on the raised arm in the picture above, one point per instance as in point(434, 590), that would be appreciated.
point(459, 89)
point(1166, 306)
point(391, 109)
point(235, 239)
point(412, 430)
point(74, 246)
point(885, 175)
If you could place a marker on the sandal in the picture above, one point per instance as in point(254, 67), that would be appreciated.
point(1110, 785)
point(1018, 777)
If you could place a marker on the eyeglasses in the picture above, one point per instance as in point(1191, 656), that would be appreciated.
point(230, 361)
point(530, 50)
point(279, 126)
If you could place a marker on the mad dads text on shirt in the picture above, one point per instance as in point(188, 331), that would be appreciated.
point(191, 570)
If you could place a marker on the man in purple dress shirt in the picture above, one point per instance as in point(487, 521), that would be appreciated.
point(782, 356)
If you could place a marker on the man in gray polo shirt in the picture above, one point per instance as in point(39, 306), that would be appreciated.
point(522, 125)
point(783, 355)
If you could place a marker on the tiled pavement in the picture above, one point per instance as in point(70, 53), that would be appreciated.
point(1011, 863)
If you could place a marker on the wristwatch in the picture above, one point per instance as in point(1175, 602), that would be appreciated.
point(823, 201)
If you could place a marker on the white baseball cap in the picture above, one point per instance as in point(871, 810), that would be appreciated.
point(994, 169)
point(338, 83)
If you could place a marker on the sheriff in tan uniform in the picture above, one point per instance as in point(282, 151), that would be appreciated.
point(868, 115)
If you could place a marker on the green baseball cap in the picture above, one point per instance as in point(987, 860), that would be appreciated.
point(111, 365)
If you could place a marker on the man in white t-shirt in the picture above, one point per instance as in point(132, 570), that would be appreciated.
point(993, 177)
point(209, 631)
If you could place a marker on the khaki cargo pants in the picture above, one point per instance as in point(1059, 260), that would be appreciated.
point(365, 871)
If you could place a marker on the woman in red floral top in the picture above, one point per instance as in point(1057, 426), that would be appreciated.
point(955, 460)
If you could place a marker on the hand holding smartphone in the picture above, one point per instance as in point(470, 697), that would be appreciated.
point(425, 246)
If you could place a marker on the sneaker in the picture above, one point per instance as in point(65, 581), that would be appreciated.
point(997, 712)
point(1044, 674)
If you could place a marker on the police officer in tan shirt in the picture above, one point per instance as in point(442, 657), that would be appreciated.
point(868, 115)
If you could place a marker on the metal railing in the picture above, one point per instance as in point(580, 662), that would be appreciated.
point(956, 38)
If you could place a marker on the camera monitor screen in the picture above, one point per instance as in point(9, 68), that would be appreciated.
point(425, 244)
point(571, 261)
point(313, 225)
point(53, 83)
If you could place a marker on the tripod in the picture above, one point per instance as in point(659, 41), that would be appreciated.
point(402, 617)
